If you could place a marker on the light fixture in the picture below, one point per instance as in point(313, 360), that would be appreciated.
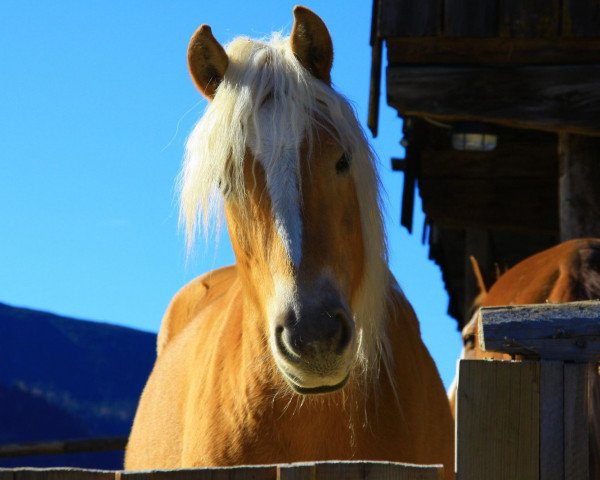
point(474, 137)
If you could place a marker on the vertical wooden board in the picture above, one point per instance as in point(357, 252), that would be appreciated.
point(296, 471)
point(62, 474)
point(532, 19)
point(581, 18)
point(470, 18)
point(259, 472)
point(576, 423)
point(401, 18)
point(375, 471)
point(551, 420)
point(498, 420)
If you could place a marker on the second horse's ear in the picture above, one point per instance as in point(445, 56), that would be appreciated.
point(311, 43)
point(207, 61)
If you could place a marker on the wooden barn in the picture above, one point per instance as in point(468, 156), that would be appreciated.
point(501, 107)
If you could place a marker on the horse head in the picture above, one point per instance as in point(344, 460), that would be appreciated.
point(288, 158)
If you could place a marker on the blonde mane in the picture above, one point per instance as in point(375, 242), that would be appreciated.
point(267, 71)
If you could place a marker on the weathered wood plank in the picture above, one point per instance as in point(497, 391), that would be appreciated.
point(560, 98)
point(551, 420)
point(486, 203)
point(297, 471)
point(579, 192)
point(492, 51)
point(498, 420)
point(62, 474)
point(581, 18)
point(409, 18)
point(470, 18)
point(576, 449)
point(376, 471)
point(247, 472)
point(534, 18)
point(61, 447)
point(568, 331)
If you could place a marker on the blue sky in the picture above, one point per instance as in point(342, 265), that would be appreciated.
point(96, 104)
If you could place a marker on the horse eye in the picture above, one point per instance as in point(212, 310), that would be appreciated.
point(469, 341)
point(224, 187)
point(343, 164)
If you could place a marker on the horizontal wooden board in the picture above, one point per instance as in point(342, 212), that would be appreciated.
point(559, 98)
point(258, 472)
point(56, 474)
point(568, 331)
point(491, 51)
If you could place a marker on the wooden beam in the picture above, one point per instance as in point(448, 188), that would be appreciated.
point(491, 51)
point(550, 97)
point(568, 331)
point(579, 187)
point(498, 420)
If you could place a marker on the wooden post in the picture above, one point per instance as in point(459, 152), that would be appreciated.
point(498, 420)
point(579, 186)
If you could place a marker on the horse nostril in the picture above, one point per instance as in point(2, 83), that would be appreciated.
point(345, 334)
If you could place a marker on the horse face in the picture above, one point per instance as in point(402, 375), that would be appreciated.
point(290, 199)
point(299, 244)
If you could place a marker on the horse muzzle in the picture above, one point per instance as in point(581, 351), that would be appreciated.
point(315, 349)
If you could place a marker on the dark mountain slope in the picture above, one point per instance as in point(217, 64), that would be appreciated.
point(62, 378)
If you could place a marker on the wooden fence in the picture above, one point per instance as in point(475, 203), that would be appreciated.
point(294, 471)
point(529, 419)
point(516, 420)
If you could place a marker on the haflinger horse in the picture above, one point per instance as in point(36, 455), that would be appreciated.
point(306, 349)
point(567, 272)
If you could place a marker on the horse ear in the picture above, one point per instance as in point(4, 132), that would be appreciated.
point(311, 43)
point(207, 61)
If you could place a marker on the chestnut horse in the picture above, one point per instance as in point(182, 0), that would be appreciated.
point(565, 273)
point(305, 349)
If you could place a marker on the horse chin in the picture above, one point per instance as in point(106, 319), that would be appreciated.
point(314, 388)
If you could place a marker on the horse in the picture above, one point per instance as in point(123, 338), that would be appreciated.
point(567, 272)
point(306, 349)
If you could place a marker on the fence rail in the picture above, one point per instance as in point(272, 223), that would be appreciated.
point(62, 447)
point(293, 471)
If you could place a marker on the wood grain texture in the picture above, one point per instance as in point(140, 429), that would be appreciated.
point(549, 97)
point(550, 331)
point(498, 420)
point(576, 451)
point(552, 465)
